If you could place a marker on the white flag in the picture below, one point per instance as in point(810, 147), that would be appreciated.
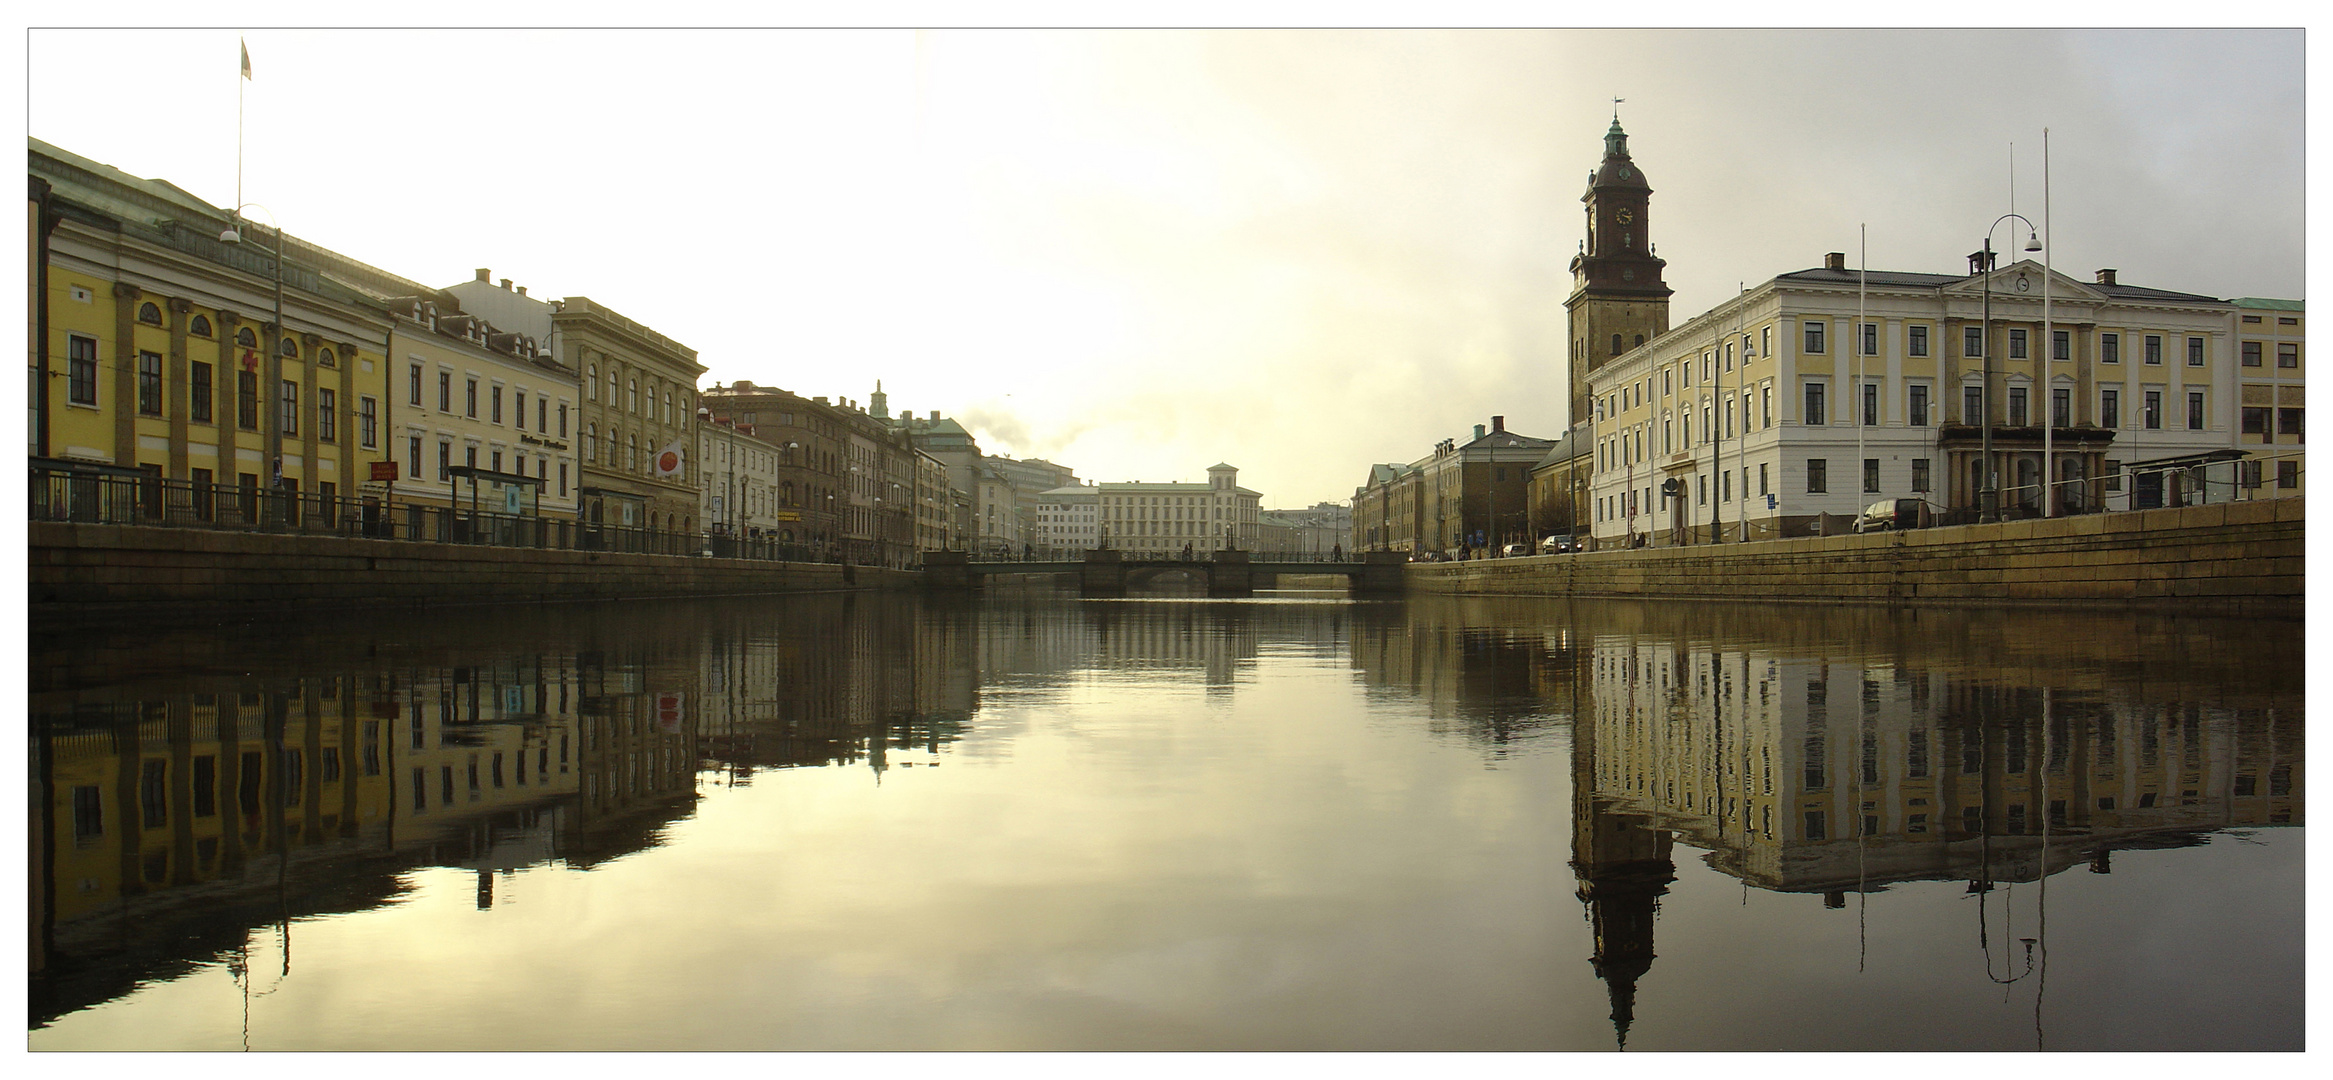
point(246, 58)
point(669, 460)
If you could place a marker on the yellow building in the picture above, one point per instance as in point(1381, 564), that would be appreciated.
point(2273, 368)
point(158, 351)
point(639, 398)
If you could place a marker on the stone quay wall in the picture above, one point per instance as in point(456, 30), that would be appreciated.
point(2226, 558)
point(78, 569)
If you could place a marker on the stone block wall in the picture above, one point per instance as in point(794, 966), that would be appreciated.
point(112, 569)
point(2228, 558)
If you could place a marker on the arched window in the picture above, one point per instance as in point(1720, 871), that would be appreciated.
point(199, 327)
point(289, 347)
point(633, 443)
point(149, 314)
point(591, 382)
point(635, 388)
point(788, 487)
point(1640, 340)
point(246, 338)
point(1615, 344)
point(324, 357)
point(614, 402)
point(591, 443)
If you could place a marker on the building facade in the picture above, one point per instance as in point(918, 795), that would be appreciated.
point(1068, 520)
point(481, 416)
point(1173, 518)
point(639, 400)
point(157, 349)
point(2272, 369)
point(1458, 500)
point(1780, 413)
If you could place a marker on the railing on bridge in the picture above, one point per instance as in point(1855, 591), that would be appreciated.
point(113, 496)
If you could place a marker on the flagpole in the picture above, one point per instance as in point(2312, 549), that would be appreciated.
point(243, 77)
point(2049, 417)
point(1862, 268)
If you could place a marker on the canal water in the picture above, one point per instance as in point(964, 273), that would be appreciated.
point(1293, 822)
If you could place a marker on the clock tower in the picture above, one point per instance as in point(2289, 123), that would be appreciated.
point(1618, 299)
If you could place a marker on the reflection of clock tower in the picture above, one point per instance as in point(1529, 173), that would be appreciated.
point(1618, 299)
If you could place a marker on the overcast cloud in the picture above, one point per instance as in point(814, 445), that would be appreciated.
point(1300, 252)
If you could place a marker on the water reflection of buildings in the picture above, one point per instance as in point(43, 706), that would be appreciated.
point(1841, 769)
point(1478, 676)
point(168, 825)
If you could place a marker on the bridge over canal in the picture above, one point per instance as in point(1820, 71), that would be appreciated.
point(1108, 572)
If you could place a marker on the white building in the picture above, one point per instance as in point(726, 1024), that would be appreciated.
point(1164, 519)
point(1779, 407)
point(1068, 519)
point(738, 481)
point(496, 405)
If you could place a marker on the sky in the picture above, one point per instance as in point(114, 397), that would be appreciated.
point(1141, 252)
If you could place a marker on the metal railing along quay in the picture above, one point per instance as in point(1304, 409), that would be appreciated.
point(106, 495)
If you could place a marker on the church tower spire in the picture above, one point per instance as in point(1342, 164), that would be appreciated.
point(1619, 300)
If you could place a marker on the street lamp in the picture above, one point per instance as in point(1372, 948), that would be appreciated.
point(1989, 498)
point(233, 234)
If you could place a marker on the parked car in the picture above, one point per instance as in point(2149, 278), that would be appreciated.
point(1513, 550)
point(1893, 514)
point(1558, 545)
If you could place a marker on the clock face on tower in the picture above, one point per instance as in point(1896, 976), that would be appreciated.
point(1625, 216)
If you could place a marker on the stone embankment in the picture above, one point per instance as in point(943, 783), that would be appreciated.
point(2225, 558)
point(78, 569)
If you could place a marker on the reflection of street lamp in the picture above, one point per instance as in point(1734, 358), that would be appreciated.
point(233, 234)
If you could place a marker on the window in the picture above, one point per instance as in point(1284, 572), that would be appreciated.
point(289, 414)
point(1870, 475)
point(1817, 480)
point(199, 327)
point(1870, 404)
point(2110, 408)
point(1916, 340)
point(2195, 410)
point(413, 457)
point(413, 385)
point(2288, 355)
point(246, 338)
point(496, 462)
point(1766, 341)
point(1762, 488)
point(247, 400)
point(1972, 341)
point(1813, 412)
point(327, 425)
point(287, 349)
point(562, 479)
point(518, 409)
point(1766, 405)
point(2154, 348)
point(2016, 344)
point(470, 456)
point(2288, 422)
point(2194, 352)
point(2151, 412)
point(445, 460)
point(634, 386)
point(543, 414)
point(198, 391)
point(562, 419)
point(1616, 345)
point(2061, 407)
point(2110, 348)
point(367, 422)
point(445, 391)
point(149, 314)
point(1814, 337)
point(1972, 405)
point(81, 370)
point(2288, 474)
point(1916, 407)
point(591, 443)
point(1920, 474)
point(494, 403)
point(2061, 345)
point(2016, 406)
point(150, 382)
point(470, 398)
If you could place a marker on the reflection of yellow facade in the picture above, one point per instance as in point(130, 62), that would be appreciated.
point(478, 740)
point(186, 789)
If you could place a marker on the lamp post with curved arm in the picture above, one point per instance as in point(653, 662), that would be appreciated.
point(1989, 497)
point(233, 234)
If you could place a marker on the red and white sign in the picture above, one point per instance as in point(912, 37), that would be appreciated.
point(669, 708)
point(384, 470)
point(669, 460)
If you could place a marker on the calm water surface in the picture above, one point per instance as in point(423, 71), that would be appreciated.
point(1295, 822)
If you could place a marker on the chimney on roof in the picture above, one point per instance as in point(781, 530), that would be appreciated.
point(505, 284)
point(485, 274)
point(1836, 260)
point(522, 290)
point(1478, 431)
point(2106, 277)
point(1498, 423)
